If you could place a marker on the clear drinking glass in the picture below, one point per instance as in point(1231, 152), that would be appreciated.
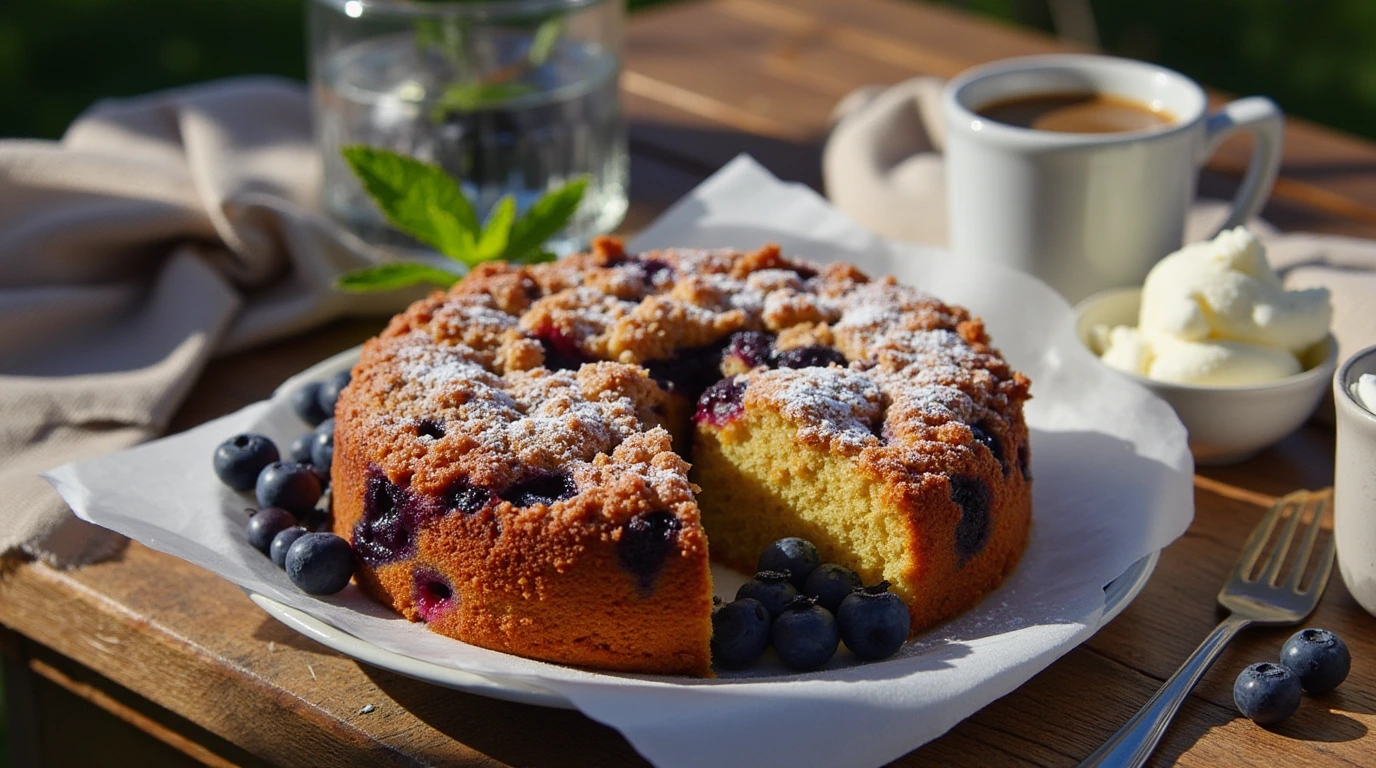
point(509, 96)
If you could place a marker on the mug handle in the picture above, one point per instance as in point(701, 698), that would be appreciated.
point(1262, 118)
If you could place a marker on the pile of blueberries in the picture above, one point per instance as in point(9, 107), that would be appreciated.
point(287, 525)
point(806, 608)
point(1314, 660)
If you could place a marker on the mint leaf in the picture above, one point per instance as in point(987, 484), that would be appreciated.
point(545, 218)
point(543, 42)
point(398, 274)
point(453, 239)
point(492, 242)
point(407, 192)
point(470, 97)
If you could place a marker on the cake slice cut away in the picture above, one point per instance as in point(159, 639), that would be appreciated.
point(804, 454)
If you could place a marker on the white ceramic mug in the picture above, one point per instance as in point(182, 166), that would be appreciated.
point(1354, 482)
point(1089, 211)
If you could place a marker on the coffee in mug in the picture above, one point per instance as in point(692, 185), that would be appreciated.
point(1028, 186)
point(1077, 113)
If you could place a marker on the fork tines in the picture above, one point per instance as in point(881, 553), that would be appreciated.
point(1275, 534)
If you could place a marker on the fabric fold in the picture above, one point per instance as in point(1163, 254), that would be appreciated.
point(160, 231)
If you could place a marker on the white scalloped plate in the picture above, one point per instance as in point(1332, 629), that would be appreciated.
point(1117, 594)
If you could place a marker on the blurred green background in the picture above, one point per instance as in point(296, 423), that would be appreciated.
point(56, 56)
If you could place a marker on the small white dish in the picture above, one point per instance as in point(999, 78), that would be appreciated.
point(1226, 424)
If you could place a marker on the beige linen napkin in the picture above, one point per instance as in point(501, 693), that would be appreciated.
point(159, 231)
point(882, 167)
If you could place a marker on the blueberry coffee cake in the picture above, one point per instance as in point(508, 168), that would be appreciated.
point(533, 461)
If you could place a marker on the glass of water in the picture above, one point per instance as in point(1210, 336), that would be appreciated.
point(509, 96)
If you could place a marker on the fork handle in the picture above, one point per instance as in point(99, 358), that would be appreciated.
point(1133, 743)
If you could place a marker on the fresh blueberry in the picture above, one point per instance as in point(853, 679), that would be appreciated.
point(320, 563)
point(740, 633)
point(772, 588)
point(329, 391)
point(874, 622)
point(239, 459)
point(830, 584)
point(805, 635)
point(325, 427)
point(815, 356)
point(293, 487)
point(322, 450)
point(306, 402)
point(1267, 693)
point(282, 542)
point(795, 555)
point(265, 524)
point(300, 449)
point(1319, 658)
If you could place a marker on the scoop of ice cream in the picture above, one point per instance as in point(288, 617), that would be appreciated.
point(1219, 363)
point(1366, 392)
point(1122, 347)
point(1216, 363)
point(1215, 313)
point(1224, 289)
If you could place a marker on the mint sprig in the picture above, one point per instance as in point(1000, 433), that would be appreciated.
point(423, 201)
point(471, 97)
point(399, 274)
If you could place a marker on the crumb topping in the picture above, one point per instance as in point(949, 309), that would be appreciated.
point(481, 359)
point(834, 404)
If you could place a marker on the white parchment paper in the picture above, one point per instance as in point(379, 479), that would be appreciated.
point(1113, 483)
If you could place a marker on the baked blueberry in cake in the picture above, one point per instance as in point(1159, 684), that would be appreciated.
point(512, 457)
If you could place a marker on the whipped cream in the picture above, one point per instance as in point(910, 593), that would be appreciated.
point(1365, 392)
point(1215, 313)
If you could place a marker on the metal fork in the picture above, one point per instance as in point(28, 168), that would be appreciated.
point(1251, 599)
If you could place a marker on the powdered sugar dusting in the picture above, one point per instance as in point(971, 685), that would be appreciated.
point(832, 404)
point(474, 359)
point(504, 426)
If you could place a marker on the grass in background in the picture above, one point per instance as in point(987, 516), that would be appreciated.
point(57, 56)
point(1315, 58)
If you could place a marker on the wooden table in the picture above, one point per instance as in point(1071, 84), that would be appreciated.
point(146, 657)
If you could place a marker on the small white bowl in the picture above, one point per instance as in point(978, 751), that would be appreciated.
point(1226, 424)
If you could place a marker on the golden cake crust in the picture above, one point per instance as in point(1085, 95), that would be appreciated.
point(503, 467)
